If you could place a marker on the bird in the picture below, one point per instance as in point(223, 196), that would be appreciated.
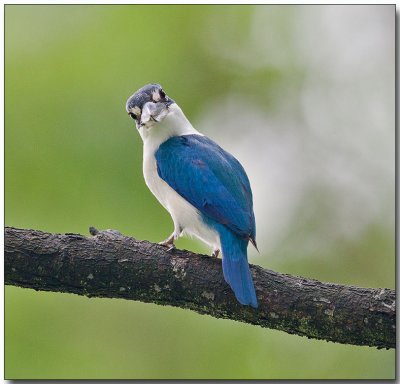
point(203, 187)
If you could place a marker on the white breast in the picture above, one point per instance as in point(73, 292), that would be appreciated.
point(185, 216)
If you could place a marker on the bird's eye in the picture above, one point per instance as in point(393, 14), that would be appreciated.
point(162, 94)
point(131, 114)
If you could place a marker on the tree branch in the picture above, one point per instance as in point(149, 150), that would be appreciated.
point(112, 265)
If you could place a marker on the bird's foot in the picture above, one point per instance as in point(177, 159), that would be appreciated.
point(169, 243)
point(170, 247)
point(215, 253)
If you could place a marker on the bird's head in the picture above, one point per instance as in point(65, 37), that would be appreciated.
point(148, 106)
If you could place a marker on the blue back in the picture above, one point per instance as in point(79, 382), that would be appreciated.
point(211, 179)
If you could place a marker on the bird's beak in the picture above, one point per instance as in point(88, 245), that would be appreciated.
point(154, 113)
point(140, 124)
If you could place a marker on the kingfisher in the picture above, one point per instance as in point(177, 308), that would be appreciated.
point(203, 187)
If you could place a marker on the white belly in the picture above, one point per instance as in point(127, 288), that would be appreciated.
point(185, 216)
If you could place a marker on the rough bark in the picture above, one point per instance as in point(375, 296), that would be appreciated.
point(115, 266)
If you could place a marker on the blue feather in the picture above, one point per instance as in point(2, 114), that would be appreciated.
point(236, 268)
point(211, 179)
point(215, 183)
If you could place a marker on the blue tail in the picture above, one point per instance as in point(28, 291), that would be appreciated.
point(236, 268)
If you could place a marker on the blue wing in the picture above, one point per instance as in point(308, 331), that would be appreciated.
point(211, 179)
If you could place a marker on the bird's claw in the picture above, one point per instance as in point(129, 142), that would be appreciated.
point(169, 244)
point(215, 253)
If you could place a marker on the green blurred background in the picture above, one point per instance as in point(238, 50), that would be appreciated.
point(302, 95)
